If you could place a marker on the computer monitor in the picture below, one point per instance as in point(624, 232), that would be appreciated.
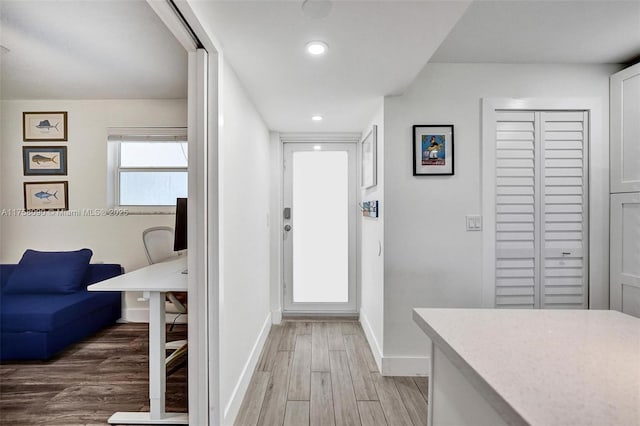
point(180, 233)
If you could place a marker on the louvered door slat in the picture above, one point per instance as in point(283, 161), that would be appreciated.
point(563, 267)
point(515, 219)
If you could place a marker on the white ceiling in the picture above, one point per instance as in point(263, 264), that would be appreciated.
point(376, 48)
point(577, 31)
point(109, 49)
point(99, 49)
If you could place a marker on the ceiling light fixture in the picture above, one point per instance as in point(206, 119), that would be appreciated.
point(317, 147)
point(317, 48)
point(317, 118)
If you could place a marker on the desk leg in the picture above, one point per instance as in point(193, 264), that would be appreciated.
point(157, 340)
point(157, 374)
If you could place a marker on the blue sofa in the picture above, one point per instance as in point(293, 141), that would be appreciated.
point(38, 323)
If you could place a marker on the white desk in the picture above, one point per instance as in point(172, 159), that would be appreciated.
point(532, 367)
point(154, 281)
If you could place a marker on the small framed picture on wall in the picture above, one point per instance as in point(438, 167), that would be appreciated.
point(432, 150)
point(46, 195)
point(369, 159)
point(44, 126)
point(44, 160)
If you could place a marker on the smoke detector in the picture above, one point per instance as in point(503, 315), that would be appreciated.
point(316, 9)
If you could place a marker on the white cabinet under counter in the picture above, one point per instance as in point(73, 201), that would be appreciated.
point(532, 367)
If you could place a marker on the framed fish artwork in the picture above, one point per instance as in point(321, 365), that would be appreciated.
point(46, 196)
point(44, 126)
point(44, 160)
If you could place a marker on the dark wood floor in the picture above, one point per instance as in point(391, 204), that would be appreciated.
point(323, 373)
point(88, 382)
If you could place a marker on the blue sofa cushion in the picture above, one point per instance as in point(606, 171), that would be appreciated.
point(47, 312)
point(100, 272)
point(41, 272)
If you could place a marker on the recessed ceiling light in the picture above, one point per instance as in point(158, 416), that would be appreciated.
point(316, 48)
point(317, 147)
point(317, 118)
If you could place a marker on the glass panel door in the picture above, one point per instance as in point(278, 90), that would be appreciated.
point(319, 228)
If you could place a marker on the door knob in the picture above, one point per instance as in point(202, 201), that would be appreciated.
point(287, 228)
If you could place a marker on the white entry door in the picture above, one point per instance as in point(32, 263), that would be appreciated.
point(319, 228)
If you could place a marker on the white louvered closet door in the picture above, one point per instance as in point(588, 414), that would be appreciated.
point(564, 210)
point(517, 280)
point(540, 209)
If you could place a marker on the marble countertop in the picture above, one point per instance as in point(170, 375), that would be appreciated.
point(545, 367)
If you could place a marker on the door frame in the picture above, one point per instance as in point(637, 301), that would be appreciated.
point(203, 128)
point(278, 140)
point(351, 306)
point(598, 187)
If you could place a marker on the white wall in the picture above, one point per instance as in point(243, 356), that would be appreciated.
point(371, 253)
point(431, 260)
point(244, 241)
point(112, 239)
point(275, 152)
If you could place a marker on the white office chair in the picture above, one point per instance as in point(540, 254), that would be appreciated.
point(158, 245)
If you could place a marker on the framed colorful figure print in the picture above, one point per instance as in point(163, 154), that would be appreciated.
point(44, 160)
point(44, 126)
point(46, 196)
point(432, 149)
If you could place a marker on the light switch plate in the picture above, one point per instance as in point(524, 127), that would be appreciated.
point(474, 222)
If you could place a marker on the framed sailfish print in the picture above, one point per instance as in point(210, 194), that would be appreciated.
point(44, 126)
point(44, 160)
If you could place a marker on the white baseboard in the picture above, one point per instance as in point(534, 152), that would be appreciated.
point(371, 339)
point(405, 366)
point(235, 400)
point(393, 365)
point(142, 315)
point(135, 315)
point(276, 317)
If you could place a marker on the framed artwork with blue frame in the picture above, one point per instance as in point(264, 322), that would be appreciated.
point(44, 160)
point(432, 150)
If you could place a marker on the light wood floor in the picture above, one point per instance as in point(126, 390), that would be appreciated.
point(323, 373)
point(88, 382)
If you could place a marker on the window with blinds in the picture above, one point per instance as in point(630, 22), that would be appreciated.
point(541, 209)
point(149, 167)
